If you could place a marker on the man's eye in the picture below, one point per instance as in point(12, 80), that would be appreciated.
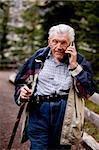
point(63, 42)
point(55, 41)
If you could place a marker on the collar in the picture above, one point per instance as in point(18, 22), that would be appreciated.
point(49, 54)
point(42, 54)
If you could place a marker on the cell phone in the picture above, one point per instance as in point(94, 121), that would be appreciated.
point(71, 44)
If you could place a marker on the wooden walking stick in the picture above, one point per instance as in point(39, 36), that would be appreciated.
point(16, 126)
point(20, 114)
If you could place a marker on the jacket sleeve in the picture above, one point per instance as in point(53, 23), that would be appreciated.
point(21, 79)
point(25, 74)
point(84, 78)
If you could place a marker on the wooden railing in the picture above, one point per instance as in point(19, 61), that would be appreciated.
point(94, 119)
point(7, 64)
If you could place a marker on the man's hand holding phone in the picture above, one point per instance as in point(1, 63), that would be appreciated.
point(72, 53)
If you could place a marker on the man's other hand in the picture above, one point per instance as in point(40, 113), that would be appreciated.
point(25, 93)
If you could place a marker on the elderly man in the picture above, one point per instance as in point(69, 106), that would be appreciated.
point(44, 82)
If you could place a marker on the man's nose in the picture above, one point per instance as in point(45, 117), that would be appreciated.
point(58, 45)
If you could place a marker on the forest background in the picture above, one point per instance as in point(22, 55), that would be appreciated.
point(38, 17)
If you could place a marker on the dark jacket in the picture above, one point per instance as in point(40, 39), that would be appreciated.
point(84, 80)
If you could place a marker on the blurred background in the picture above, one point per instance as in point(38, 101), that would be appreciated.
point(24, 26)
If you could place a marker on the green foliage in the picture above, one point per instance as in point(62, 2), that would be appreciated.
point(56, 12)
point(88, 25)
point(31, 33)
point(4, 9)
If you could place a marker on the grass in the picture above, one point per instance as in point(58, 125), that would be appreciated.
point(91, 130)
point(92, 106)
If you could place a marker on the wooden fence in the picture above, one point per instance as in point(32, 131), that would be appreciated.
point(4, 64)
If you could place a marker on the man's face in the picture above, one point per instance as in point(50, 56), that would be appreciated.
point(58, 44)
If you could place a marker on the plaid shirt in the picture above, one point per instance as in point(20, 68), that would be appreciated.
point(53, 78)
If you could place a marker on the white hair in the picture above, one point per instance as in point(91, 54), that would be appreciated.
point(61, 29)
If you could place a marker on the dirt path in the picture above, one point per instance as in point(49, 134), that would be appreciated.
point(8, 113)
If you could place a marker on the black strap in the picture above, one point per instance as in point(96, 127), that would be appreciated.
point(74, 97)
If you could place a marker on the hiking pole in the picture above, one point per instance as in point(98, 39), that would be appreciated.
point(19, 114)
point(15, 126)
